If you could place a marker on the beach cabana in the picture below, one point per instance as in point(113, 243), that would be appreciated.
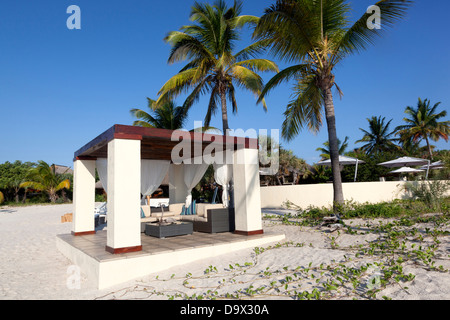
point(132, 162)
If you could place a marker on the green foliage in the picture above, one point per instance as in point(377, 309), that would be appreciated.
point(164, 116)
point(44, 178)
point(12, 174)
point(100, 198)
point(431, 192)
point(312, 216)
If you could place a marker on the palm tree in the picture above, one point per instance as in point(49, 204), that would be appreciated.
point(165, 116)
point(317, 35)
point(44, 178)
point(326, 150)
point(423, 124)
point(212, 67)
point(378, 138)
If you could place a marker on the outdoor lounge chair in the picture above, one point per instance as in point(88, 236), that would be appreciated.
point(216, 220)
point(100, 214)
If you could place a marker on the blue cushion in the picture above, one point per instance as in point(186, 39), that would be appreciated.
point(183, 211)
point(142, 213)
point(193, 207)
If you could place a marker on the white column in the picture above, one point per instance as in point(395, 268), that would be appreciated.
point(247, 197)
point(124, 183)
point(83, 197)
point(177, 187)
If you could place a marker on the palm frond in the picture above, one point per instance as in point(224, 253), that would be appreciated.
point(253, 50)
point(283, 76)
point(232, 98)
point(185, 46)
point(261, 65)
point(178, 84)
point(32, 184)
point(214, 99)
point(305, 109)
point(241, 21)
point(359, 37)
point(247, 79)
point(291, 28)
point(65, 184)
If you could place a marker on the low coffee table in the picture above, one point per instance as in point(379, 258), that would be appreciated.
point(168, 230)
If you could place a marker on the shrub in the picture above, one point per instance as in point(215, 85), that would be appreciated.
point(431, 192)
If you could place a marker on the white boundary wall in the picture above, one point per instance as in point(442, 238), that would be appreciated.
point(321, 195)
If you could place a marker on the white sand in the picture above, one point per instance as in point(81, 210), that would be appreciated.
point(31, 267)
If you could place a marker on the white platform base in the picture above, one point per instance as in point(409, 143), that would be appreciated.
point(106, 269)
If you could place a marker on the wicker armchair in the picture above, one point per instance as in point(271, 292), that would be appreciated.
point(216, 220)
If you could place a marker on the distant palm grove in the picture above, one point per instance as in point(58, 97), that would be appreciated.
point(312, 37)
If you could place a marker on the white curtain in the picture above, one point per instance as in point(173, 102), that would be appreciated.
point(223, 174)
point(102, 169)
point(152, 174)
point(193, 173)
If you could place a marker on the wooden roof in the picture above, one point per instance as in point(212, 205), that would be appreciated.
point(157, 144)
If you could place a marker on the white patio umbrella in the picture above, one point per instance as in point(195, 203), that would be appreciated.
point(406, 170)
point(344, 160)
point(406, 161)
point(435, 165)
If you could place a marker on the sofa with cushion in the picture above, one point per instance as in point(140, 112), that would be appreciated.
point(205, 217)
point(211, 218)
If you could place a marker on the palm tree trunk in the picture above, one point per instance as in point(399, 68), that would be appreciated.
point(24, 199)
point(16, 194)
point(52, 195)
point(223, 99)
point(429, 148)
point(338, 197)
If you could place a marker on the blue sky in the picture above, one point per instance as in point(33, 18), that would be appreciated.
point(60, 88)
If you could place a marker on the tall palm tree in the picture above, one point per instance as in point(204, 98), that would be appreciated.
point(326, 148)
point(164, 116)
point(378, 138)
point(316, 35)
point(44, 178)
point(423, 124)
point(212, 67)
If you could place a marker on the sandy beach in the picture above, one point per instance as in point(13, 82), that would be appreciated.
point(311, 262)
